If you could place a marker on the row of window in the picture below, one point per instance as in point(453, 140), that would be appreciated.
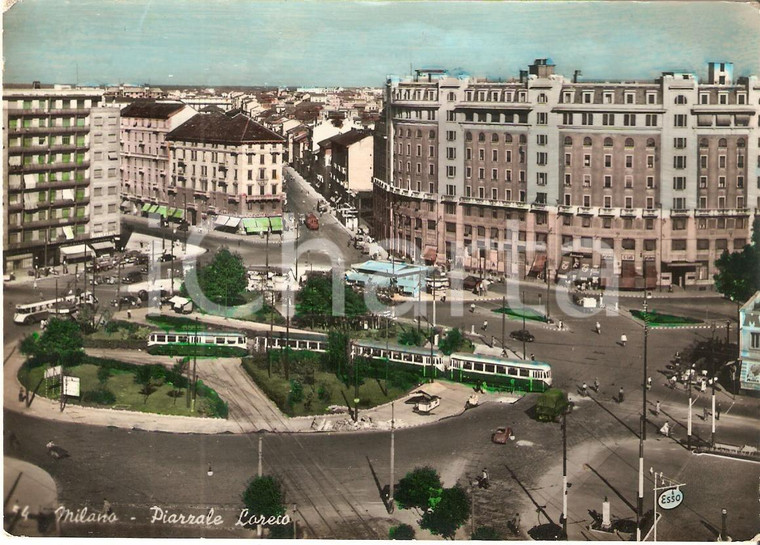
point(39, 235)
point(52, 103)
point(44, 122)
point(36, 141)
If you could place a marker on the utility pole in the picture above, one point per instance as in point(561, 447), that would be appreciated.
point(645, 385)
point(712, 414)
point(287, 334)
point(195, 360)
point(118, 286)
point(546, 277)
point(503, 322)
point(564, 474)
point(523, 317)
point(391, 502)
point(297, 237)
point(640, 499)
point(688, 421)
point(259, 529)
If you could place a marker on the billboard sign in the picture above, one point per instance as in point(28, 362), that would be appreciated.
point(71, 386)
point(670, 498)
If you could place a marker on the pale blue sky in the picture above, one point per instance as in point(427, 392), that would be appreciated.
point(241, 42)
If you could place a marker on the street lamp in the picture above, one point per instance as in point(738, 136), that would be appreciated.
point(723, 535)
point(295, 529)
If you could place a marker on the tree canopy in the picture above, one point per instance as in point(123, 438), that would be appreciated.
point(452, 342)
point(224, 279)
point(315, 299)
point(264, 496)
point(450, 513)
point(59, 344)
point(418, 487)
point(739, 272)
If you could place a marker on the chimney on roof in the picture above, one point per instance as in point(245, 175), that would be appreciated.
point(36, 85)
point(576, 73)
point(542, 68)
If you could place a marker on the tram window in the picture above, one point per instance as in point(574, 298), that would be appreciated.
point(478, 366)
point(230, 341)
point(524, 372)
point(489, 368)
point(160, 338)
point(418, 359)
point(241, 340)
point(209, 340)
point(182, 339)
point(220, 340)
point(171, 339)
point(499, 369)
point(512, 371)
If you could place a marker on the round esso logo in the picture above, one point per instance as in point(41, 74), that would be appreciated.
point(670, 499)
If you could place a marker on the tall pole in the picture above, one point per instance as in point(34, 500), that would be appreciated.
point(654, 502)
point(564, 474)
point(712, 414)
point(118, 286)
point(195, 361)
point(546, 277)
point(523, 317)
point(259, 529)
point(645, 386)
point(287, 334)
point(297, 237)
point(640, 499)
point(688, 421)
point(503, 321)
point(391, 502)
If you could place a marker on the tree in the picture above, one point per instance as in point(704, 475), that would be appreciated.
point(486, 533)
point(224, 279)
point(417, 487)
point(336, 355)
point(410, 337)
point(452, 342)
point(450, 513)
point(59, 344)
point(149, 377)
point(401, 532)
point(264, 497)
point(315, 299)
point(739, 276)
point(104, 373)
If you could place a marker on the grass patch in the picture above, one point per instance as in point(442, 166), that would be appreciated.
point(527, 313)
point(200, 350)
point(310, 390)
point(655, 318)
point(126, 392)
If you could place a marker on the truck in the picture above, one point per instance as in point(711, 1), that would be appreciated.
point(312, 222)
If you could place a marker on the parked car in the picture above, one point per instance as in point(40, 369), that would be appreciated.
point(126, 301)
point(501, 435)
point(166, 257)
point(522, 335)
point(132, 277)
point(312, 222)
point(143, 295)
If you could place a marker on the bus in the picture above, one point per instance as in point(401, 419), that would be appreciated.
point(67, 305)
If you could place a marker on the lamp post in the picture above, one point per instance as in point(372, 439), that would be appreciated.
point(295, 527)
point(665, 484)
point(391, 506)
point(171, 262)
point(565, 486)
point(723, 534)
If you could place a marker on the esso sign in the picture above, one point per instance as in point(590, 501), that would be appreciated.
point(670, 499)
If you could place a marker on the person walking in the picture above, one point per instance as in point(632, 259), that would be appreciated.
point(484, 478)
point(649, 383)
point(705, 413)
point(598, 328)
point(717, 411)
point(584, 389)
point(657, 409)
point(472, 307)
point(485, 325)
point(532, 357)
point(623, 339)
point(621, 395)
point(596, 385)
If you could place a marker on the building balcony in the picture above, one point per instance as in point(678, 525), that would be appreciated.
point(48, 130)
point(565, 209)
point(268, 197)
point(36, 149)
point(37, 112)
point(538, 206)
point(607, 212)
point(585, 211)
point(50, 222)
point(628, 213)
point(650, 213)
point(680, 212)
point(49, 167)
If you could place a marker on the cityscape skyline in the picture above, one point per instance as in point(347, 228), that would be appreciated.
point(304, 43)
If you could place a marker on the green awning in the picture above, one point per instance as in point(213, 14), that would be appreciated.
point(146, 207)
point(161, 210)
point(256, 225)
point(276, 223)
point(153, 209)
point(179, 213)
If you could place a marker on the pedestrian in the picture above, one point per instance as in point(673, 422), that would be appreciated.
point(472, 307)
point(657, 409)
point(649, 383)
point(129, 314)
point(560, 325)
point(107, 507)
point(596, 385)
point(620, 395)
point(485, 324)
point(705, 413)
point(532, 357)
point(665, 429)
point(673, 381)
point(484, 478)
point(584, 390)
point(21, 394)
point(598, 328)
point(443, 298)
point(703, 386)
point(623, 339)
point(717, 411)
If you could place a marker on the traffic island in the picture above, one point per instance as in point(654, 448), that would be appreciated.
point(522, 313)
point(655, 319)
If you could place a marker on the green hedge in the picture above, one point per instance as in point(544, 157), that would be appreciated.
point(99, 397)
point(215, 407)
point(199, 350)
point(655, 318)
point(257, 372)
point(175, 322)
point(116, 344)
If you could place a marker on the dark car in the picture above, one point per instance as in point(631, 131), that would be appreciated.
point(145, 294)
point(522, 335)
point(551, 405)
point(126, 301)
point(166, 257)
point(132, 277)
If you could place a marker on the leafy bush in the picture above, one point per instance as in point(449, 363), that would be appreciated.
point(264, 496)
point(417, 487)
point(214, 406)
point(103, 374)
point(324, 392)
point(99, 397)
point(452, 342)
point(411, 337)
point(486, 533)
point(402, 531)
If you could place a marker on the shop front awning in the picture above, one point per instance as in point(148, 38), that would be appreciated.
point(78, 251)
point(161, 211)
point(177, 213)
point(152, 209)
point(102, 245)
point(276, 224)
point(256, 225)
point(233, 223)
point(538, 265)
point(221, 221)
point(145, 207)
point(124, 204)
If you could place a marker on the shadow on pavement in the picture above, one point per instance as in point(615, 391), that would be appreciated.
point(383, 491)
point(615, 490)
point(635, 434)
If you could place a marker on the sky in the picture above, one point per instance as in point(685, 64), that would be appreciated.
point(326, 43)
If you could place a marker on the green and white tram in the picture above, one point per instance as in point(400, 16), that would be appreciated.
point(530, 376)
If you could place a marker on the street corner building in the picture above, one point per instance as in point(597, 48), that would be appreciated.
point(647, 182)
point(61, 182)
point(210, 166)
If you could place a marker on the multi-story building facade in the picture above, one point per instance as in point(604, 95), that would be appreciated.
point(225, 164)
point(749, 344)
point(351, 172)
point(647, 180)
point(61, 181)
point(145, 164)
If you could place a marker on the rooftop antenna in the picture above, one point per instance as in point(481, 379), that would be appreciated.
point(76, 83)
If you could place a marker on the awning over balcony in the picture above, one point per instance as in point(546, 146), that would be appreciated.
point(276, 224)
point(78, 251)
